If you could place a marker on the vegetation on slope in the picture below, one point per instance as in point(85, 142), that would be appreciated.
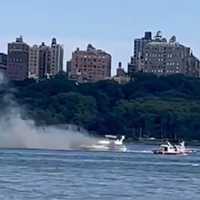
point(149, 106)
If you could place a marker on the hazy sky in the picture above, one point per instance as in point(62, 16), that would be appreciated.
point(108, 24)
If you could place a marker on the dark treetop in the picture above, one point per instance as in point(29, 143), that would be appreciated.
point(149, 106)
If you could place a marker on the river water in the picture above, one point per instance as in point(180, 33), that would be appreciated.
point(79, 175)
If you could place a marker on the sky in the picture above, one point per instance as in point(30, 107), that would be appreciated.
point(111, 25)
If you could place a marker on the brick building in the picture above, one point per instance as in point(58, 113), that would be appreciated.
point(3, 62)
point(90, 65)
point(163, 57)
point(18, 60)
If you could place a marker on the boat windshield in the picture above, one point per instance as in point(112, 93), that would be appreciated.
point(111, 137)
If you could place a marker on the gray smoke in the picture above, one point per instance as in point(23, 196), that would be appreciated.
point(16, 132)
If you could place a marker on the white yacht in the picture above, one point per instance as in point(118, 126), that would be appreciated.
point(169, 149)
point(109, 143)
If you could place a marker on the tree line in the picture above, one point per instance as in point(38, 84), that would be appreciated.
point(147, 106)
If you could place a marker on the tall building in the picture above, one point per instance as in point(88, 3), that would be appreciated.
point(193, 64)
point(163, 57)
point(121, 76)
point(120, 70)
point(69, 68)
point(34, 62)
point(136, 60)
point(44, 60)
point(57, 53)
point(3, 62)
point(90, 65)
point(18, 60)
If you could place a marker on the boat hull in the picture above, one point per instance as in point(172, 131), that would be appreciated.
point(172, 153)
point(121, 148)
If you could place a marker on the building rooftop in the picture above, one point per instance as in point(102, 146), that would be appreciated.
point(92, 50)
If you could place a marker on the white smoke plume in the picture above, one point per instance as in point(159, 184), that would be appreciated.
point(16, 132)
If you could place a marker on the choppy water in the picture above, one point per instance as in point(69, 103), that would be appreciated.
point(75, 175)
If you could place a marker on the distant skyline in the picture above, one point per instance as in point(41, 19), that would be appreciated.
point(109, 25)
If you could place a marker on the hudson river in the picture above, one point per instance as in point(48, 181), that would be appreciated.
point(79, 175)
